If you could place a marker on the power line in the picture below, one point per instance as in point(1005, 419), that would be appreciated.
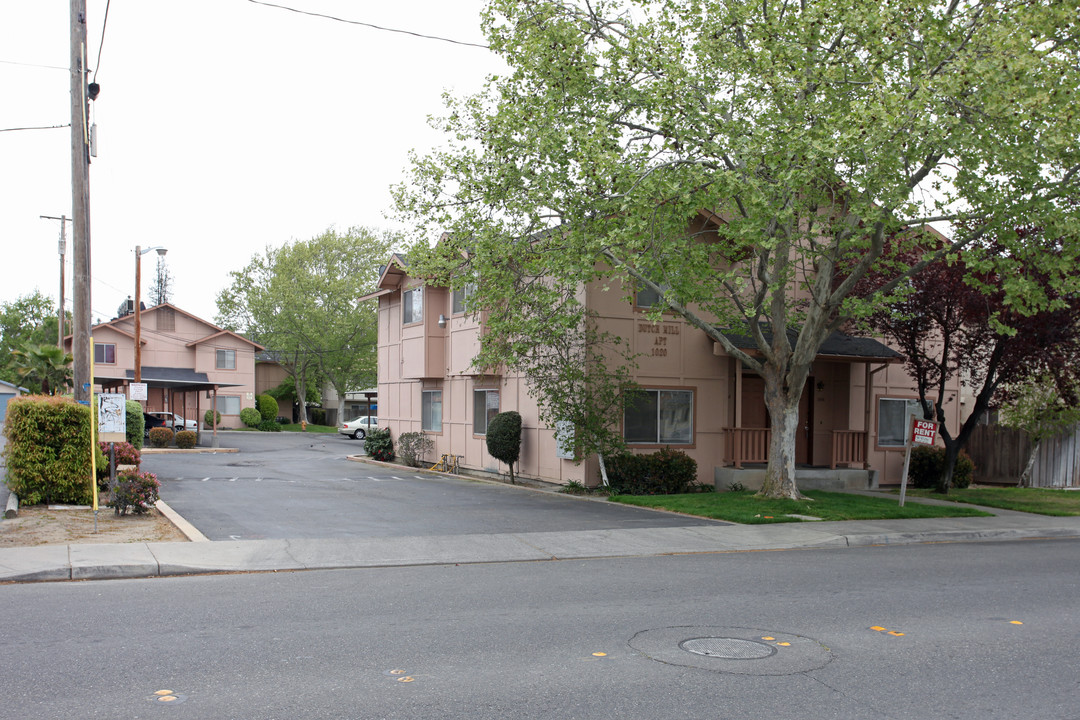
point(36, 127)
point(370, 25)
point(101, 42)
point(37, 65)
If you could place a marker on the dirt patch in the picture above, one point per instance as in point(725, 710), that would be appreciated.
point(38, 525)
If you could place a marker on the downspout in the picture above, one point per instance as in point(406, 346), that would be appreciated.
point(866, 419)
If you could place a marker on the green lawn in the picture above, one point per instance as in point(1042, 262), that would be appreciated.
point(295, 427)
point(1042, 501)
point(743, 507)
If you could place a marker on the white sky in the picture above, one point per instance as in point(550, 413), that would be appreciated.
point(223, 127)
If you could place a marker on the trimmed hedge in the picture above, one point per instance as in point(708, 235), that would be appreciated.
point(503, 438)
point(269, 426)
point(186, 439)
point(208, 418)
point(48, 450)
point(134, 423)
point(926, 463)
point(664, 472)
point(250, 417)
point(161, 436)
point(267, 406)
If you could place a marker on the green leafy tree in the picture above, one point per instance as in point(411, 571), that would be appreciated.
point(732, 156)
point(300, 302)
point(1043, 409)
point(28, 320)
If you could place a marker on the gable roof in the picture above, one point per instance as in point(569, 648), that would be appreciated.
point(114, 325)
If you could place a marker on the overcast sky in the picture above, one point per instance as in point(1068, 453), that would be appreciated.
point(223, 126)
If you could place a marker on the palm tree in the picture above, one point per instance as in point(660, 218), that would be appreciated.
point(45, 364)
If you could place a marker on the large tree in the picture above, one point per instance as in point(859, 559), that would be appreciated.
point(953, 324)
point(28, 321)
point(300, 302)
point(805, 133)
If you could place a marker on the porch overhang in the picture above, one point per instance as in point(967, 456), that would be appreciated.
point(162, 377)
point(838, 346)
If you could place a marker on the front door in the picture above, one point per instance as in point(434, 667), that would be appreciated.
point(804, 446)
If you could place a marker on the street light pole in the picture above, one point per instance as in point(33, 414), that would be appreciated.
point(139, 252)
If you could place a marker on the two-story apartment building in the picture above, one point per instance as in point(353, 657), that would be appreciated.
point(188, 364)
point(698, 399)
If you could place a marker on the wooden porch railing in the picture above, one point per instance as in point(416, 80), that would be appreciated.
point(848, 447)
point(746, 445)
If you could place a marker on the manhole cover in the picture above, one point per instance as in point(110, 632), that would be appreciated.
point(728, 648)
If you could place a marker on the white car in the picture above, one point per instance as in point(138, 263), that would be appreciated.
point(358, 429)
point(175, 422)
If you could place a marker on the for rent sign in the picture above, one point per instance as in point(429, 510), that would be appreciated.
point(923, 432)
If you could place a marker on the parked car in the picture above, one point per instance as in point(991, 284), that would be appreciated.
point(151, 421)
point(358, 429)
point(174, 421)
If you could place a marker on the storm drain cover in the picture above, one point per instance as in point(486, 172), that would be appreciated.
point(728, 648)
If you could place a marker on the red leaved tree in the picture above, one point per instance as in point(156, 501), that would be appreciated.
point(993, 332)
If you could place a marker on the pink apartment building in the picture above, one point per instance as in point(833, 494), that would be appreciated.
point(853, 411)
point(188, 364)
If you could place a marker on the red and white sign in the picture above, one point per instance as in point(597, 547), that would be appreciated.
point(923, 432)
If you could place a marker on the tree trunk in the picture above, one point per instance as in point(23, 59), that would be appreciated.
point(301, 396)
point(603, 470)
point(952, 451)
point(1025, 476)
point(783, 406)
point(511, 466)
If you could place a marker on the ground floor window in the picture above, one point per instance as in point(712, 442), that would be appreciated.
point(485, 407)
point(893, 421)
point(431, 410)
point(661, 417)
point(228, 404)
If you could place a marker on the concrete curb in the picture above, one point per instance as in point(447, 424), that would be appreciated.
point(190, 531)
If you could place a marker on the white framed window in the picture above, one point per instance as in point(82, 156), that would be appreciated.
point(660, 417)
point(412, 306)
point(485, 407)
point(893, 414)
point(105, 353)
point(459, 298)
point(431, 410)
point(226, 360)
point(228, 404)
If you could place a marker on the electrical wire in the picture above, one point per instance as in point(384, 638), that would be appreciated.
point(36, 127)
point(370, 25)
point(101, 43)
point(37, 65)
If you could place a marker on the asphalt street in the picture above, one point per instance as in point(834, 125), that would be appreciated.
point(295, 486)
point(968, 631)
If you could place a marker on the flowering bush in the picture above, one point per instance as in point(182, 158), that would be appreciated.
point(185, 439)
point(135, 491)
point(126, 453)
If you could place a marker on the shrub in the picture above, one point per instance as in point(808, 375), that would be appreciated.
point(282, 420)
point(412, 445)
point(48, 450)
point(267, 406)
point(161, 436)
point(379, 445)
point(250, 417)
point(208, 418)
point(269, 426)
point(135, 491)
point(504, 438)
point(924, 471)
point(664, 472)
point(186, 439)
point(134, 424)
point(317, 416)
point(126, 453)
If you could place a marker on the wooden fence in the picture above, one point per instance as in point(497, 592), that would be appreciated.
point(1000, 455)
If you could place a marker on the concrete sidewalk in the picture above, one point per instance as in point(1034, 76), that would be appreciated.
point(138, 560)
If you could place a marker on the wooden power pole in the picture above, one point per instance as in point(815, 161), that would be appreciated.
point(80, 204)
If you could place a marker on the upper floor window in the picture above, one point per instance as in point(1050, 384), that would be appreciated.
point(431, 410)
point(660, 417)
point(485, 407)
point(647, 297)
point(166, 319)
point(460, 297)
point(226, 360)
point(412, 305)
point(893, 414)
point(105, 353)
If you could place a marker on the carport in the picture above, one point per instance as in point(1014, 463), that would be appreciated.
point(172, 383)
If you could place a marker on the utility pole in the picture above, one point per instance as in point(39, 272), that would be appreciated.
point(80, 204)
point(63, 251)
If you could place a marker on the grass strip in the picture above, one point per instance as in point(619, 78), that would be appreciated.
point(742, 507)
point(1042, 501)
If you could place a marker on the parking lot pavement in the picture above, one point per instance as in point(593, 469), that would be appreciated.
point(301, 486)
